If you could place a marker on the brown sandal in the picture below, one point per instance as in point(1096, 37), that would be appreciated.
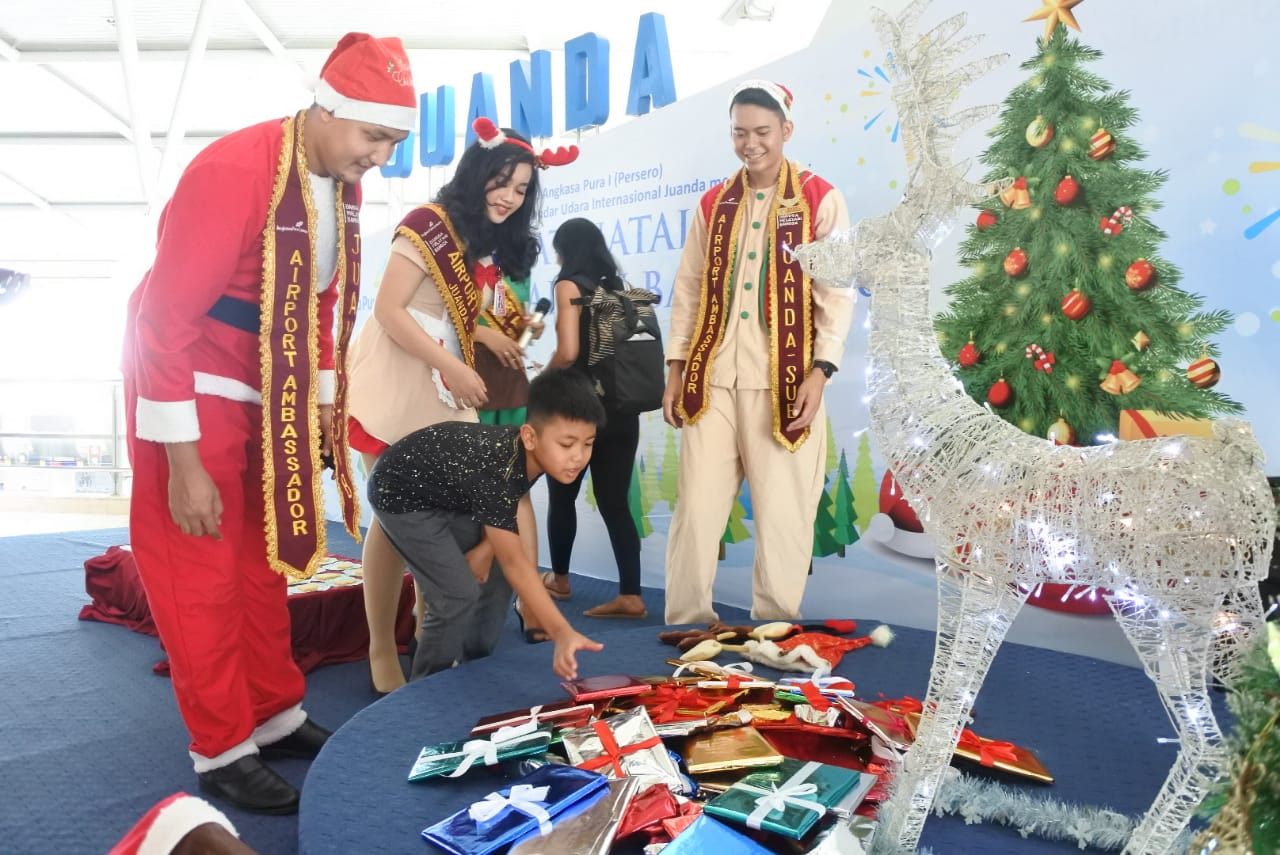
point(547, 578)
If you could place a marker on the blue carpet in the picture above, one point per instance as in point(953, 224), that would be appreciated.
point(91, 739)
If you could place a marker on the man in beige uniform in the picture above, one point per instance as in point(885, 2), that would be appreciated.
point(753, 343)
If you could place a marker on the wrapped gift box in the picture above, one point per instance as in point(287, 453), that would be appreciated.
point(605, 687)
point(453, 759)
point(587, 829)
point(562, 714)
point(788, 800)
point(994, 754)
point(513, 812)
point(1148, 424)
point(621, 745)
point(729, 749)
point(890, 727)
point(705, 836)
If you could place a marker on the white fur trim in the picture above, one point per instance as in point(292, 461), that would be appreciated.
point(881, 636)
point(279, 726)
point(327, 384)
point(176, 820)
point(226, 387)
point(226, 758)
point(167, 421)
point(388, 115)
point(774, 91)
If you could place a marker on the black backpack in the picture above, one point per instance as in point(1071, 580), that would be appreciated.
point(624, 356)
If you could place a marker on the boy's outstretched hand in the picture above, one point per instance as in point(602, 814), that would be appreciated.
point(565, 661)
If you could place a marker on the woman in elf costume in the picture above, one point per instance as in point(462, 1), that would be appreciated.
point(414, 361)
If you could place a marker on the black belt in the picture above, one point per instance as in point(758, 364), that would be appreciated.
point(238, 313)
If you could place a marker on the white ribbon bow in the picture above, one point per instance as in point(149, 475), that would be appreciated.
point(530, 801)
point(485, 751)
point(775, 798)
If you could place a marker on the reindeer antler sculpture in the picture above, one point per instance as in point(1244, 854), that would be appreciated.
point(1179, 528)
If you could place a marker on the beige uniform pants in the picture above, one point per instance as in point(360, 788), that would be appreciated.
point(732, 439)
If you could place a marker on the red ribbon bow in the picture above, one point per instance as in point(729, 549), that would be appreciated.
point(990, 751)
point(665, 703)
point(814, 696)
point(485, 275)
point(613, 754)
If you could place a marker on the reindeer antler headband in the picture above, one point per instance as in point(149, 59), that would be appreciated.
point(491, 136)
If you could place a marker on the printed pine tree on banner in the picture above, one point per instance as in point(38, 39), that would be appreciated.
point(846, 513)
point(670, 478)
point(637, 502)
point(866, 486)
point(824, 527)
point(1071, 313)
point(735, 531)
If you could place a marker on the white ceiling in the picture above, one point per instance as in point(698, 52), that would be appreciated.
point(75, 191)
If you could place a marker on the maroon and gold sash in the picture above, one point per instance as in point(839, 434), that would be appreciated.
point(289, 349)
point(432, 233)
point(511, 324)
point(788, 300)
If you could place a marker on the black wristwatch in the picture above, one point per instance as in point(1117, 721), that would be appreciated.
point(825, 367)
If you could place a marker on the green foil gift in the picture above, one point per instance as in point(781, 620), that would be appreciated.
point(454, 759)
point(787, 799)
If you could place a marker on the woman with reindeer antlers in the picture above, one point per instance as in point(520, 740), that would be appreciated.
point(413, 363)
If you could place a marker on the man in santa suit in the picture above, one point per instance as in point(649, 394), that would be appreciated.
point(182, 825)
point(234, 383)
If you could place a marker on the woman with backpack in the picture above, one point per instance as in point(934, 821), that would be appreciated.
point(586, 265)
point(413, 363)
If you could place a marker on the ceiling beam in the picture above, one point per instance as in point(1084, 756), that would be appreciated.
point(127, 39)
point(178, 115)
point(304, 78)
point(12, 54)
point(34, 198)
point(166, 52)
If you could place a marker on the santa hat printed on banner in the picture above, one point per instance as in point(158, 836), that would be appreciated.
point(779, 93)
point(164, 826)
point(367, 79)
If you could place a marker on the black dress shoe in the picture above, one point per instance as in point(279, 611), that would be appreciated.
point(305, 742)
point(251, 785)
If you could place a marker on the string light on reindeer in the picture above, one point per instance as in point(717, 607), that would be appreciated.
point(1179, 530)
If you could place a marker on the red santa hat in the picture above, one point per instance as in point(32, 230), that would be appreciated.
point(164, 826)
point(367, 79)
point(779, 93)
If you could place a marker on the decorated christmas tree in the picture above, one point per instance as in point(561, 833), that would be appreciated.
point(1070, 313)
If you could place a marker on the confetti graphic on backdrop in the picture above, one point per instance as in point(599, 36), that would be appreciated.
point(1232, 186)
point(873, 78)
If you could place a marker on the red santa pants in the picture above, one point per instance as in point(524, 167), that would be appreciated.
point(219, 607)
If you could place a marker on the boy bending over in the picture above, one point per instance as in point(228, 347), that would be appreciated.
point(453, 498)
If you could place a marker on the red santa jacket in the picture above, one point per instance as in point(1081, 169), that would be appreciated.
point(209, 246)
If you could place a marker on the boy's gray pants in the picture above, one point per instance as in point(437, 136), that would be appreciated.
point(464, 618)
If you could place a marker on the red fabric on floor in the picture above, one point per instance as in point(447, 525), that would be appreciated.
point(328, 626)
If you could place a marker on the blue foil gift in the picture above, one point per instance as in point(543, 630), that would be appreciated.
point(705, 836)
point(528, 805)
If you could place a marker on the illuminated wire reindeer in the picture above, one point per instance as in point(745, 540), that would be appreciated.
point(1179, 528)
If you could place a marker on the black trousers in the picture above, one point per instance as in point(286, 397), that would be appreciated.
point(612, 462)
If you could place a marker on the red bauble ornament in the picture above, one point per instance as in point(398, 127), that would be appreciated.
point(986, 220)
point(1076, 305)
point(1101, 145)
point(1204, 373)
point(1015, 263)
point(1140, 275)
point(969, 355)
point(1000, 393)
point(1066, 191)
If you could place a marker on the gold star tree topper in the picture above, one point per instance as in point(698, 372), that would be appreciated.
point(1054, 11)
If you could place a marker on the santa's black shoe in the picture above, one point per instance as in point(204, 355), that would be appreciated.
point(251, 785)
point(304, 743)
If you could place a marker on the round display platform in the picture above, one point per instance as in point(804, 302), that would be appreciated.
point(1093, 725)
